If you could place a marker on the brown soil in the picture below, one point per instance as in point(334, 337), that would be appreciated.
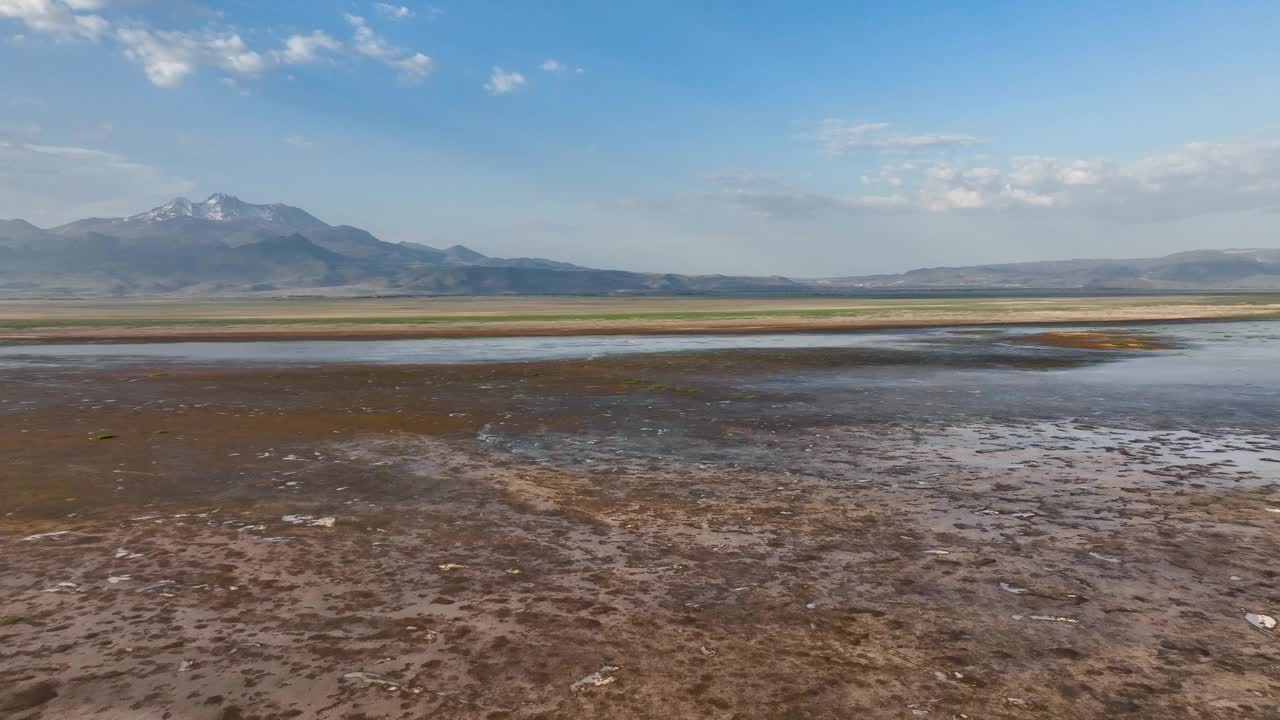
point(618, 539)
point(1095, 340)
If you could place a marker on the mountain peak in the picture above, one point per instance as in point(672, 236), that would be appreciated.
point(177, 207)
point(221, 206)
point(224, 207)
point(464, 253)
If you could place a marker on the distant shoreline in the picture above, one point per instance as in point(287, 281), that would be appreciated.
point(247, 330)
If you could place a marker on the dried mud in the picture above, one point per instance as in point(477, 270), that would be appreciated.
point(622, 538)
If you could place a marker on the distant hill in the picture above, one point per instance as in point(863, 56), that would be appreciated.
point(1253, 269)
point(225, 245)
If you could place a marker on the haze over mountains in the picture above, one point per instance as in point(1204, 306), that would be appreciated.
point(1249, 269)
point(225, 246)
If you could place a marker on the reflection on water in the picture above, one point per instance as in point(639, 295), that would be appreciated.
point(1236, 347)
point(1221, 375)
point(428, 351)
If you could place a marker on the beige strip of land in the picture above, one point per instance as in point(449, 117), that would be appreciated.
point(487, 317)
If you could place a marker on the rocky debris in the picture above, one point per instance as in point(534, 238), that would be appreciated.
point(46, 535)
point(1262, 622)
point(365, 679)
point(1047, 618)
point(603, 676)
point(309, 520)
point(63, 587)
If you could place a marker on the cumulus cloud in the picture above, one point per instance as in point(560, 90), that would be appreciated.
point(838, 137)
point(303, 49)
point(502, 82)
point(230, 53)
point(1192, 180)
point(1195, 179)
point(166, 57)
point(412, 66)
point(298, 141)
point(169, 57)
point(50, 184)
point(60, 17)
point(395, 12)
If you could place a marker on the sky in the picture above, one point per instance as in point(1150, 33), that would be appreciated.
point(804, 138)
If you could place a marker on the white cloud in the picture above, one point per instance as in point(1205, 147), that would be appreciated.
point(230, 53)
point(166, 57)
point(1192, 180)
point(838, 137)
point(169, 57)
point(302, 49)
point(553, 65)
point(412, 66)
point(298, 141)
point(1196, 179)
point(502, 82)
point(395, 12)
point(51, 184)
point(60, 17)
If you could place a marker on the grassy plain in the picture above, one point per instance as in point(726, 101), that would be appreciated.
point(516, 316)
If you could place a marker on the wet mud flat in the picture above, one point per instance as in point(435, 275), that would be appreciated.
point(824, 533)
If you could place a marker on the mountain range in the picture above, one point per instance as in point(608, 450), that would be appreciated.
point(225, 246)
point(1247, 269)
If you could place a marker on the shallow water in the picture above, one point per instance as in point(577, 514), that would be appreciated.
point(418, 352)
point(1240, 350)
point(1224, 375)
point(1221, 375)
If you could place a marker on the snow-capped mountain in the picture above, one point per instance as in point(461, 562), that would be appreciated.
point(225, 245)
point(221, 207)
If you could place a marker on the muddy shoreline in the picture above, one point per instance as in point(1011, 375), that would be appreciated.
point(356, 332)
point(683, 536)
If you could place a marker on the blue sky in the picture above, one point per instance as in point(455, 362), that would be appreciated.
point(806, 138)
